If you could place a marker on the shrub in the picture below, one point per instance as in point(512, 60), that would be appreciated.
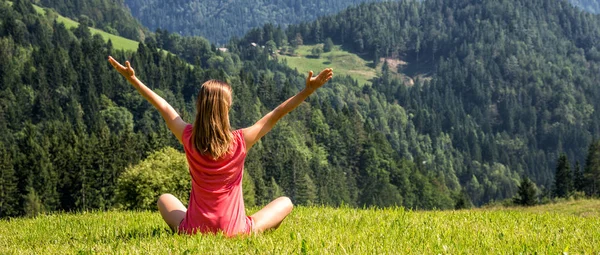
point(164, 171)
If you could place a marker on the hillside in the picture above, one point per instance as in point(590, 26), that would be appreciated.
point(71, 126)
point(118, 42)
point(319, 230)
point(218, 21)
point(107, 15)
point(504, 95)
point(510, 89)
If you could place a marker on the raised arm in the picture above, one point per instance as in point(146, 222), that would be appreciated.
point(253, 133)
point(174, 121)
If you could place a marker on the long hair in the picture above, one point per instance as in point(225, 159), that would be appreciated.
point(211, 134)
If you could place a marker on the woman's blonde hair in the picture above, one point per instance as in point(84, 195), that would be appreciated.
point(211, 134)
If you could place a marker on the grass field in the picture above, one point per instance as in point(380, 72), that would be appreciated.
point(342, 62)
point(571, 227)
point(117, 41)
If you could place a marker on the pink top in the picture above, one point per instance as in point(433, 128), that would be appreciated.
point(216, 201)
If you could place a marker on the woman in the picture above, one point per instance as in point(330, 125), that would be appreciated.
point(216, 155)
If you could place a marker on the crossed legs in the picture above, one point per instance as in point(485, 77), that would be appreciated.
point(172, 210)
point(268, 218)
point(271, 216)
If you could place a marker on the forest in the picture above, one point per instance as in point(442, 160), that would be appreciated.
point(510, 89)
point(112, 16)
point(218, 21)
point(495, 99)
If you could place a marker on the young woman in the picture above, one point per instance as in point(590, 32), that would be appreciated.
point(216, 155)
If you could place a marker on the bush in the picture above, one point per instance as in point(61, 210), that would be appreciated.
point(316, 52)
point(164, 171)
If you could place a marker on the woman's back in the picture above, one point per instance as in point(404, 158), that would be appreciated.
point(216, 201)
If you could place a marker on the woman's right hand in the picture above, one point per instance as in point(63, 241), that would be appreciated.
point(127, 72)
point(313, 83)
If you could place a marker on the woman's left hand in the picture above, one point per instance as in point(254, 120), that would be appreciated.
point(127, 72)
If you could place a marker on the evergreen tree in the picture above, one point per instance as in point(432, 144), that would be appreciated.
point(578, 178)
point(592, 169)
point(328, 46)
point(563, 180)
point(526, 195)
point(462, 200)
point(8, 184)
point(32, 204)
point(273, 190)
point(306, 191)
point(248, 190)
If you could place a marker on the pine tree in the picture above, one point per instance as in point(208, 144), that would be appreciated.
point(578, 179)
point(248, 190)
point(274, 191)
point(32, 205)
point(328, 46)
point(526, 195)
point(8, 184)
point(306, 191)
point(592, 169)
point(563, 180)
point(462, 200)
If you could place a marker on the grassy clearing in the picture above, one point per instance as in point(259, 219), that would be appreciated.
point(120, 43)
point(117, 41)
point(549, 229)
point(342, 62)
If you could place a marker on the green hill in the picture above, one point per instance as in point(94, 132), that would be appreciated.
point(549, 229)
point(118, 42)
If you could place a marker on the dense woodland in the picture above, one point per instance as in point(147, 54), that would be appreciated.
point(111, 16)
point(218, 21)
point(71, 125)
point(499, 98)
point(509, 84)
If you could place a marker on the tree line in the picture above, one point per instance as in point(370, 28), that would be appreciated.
point(218, 21)
point(509, 84)
point(481, 115)
point(71, 125)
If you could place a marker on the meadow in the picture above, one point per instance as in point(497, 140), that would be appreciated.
point(118, 42)
point(568, 227)
point(342, 62)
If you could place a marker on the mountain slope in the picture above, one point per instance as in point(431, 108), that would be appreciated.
point(118, 42)
point(70, 125)
point(514, 83)
point(218, 21)
point(108, 15)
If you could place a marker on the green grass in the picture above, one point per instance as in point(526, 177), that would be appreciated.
point(551, 229)
point(120, 43)
point(117, 41)
point(342, 62)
